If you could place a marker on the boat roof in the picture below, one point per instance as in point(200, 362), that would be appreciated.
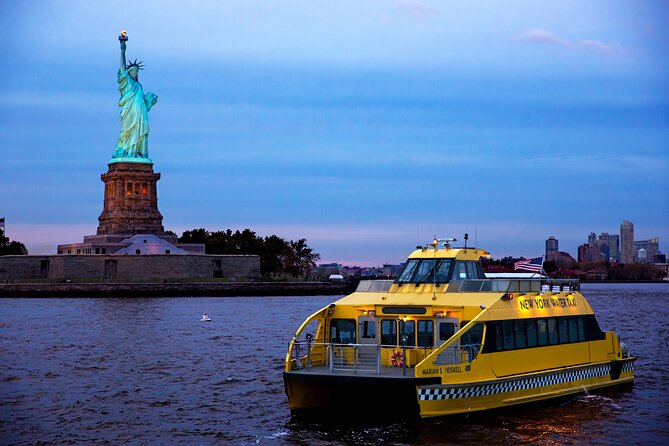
point(419, 298)
point(449, 253)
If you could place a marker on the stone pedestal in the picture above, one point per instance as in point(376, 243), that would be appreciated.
point(131, 200)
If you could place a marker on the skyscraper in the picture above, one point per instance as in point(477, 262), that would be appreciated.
point(614, 248)
point(551, 248)
point(627, 242)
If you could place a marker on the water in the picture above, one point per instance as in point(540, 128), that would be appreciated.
point(147, 371)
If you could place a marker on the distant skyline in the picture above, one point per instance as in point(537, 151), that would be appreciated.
point(364, 127)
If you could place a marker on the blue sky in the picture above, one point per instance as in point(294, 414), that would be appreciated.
point(364, 127)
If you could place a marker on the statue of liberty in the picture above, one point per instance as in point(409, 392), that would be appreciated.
point(133, 141)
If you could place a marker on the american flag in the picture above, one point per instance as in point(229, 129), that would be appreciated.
point(535, 265)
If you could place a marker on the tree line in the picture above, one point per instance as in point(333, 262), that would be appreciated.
point(11, 247)
point(278, 257)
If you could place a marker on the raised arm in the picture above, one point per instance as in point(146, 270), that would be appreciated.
point(122, 55)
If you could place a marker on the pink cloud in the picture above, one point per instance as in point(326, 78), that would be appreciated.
point(600, 47)
point(542, 37)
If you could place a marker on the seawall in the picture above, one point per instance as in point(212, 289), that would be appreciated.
point(182, 289)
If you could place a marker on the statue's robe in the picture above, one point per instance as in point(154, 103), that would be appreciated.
point(133, 142)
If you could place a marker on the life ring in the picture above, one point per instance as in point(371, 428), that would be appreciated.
point(397, 359)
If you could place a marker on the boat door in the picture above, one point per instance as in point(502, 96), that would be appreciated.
point(367, 330)
point(368, 340)
point(446, 328)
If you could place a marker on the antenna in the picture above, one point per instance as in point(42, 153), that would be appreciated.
point(466, 238)
point(476, 236)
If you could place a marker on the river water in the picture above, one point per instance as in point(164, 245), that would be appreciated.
point(147, 371)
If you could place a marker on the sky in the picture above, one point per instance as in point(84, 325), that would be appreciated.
point(366, 127)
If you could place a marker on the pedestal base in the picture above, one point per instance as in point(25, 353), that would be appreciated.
point(131, 200)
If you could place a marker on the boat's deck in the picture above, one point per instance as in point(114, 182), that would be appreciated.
point(386, 372)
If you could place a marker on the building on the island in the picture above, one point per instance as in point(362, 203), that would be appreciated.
point(588, 253)
point(392, 270)
point(614, 248)
point(551, 248)
point(627, 242)
point(609, 247)
point(646, 250)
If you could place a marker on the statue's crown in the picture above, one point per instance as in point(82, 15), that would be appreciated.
point(135, 64)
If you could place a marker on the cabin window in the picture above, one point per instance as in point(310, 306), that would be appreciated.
point(408, 271)
point(425, 333)
point(563, 330)
point(531, 326)
point(460, 272)
point(542, 330)
point(521, 334)
point(424, 272)
point(408, 328)
point(369, 329)
point(472, 271)
point(388, 332)
point(508, 335)
point(342, 331)
point(499, 338)
point(404, 310)
point(581, 328)
point(472, 336)
point(446, 330)
point(594, 333)
point(573, 329)
point(442, 271)
point(552, 331)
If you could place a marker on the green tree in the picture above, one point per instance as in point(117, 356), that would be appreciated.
point(10, 247)
point(301, 259)
point(277, 256)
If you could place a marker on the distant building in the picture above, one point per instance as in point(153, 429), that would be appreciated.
point(392, 270)
point(587, 253)
point(646, 250)
point(627, 242)
point(592, 239)
point(551, 248)
point(609, 247)
point(614, 248)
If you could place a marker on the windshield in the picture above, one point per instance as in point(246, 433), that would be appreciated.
point(408, 271)
point(423, 271)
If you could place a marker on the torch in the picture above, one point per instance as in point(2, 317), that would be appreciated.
point(123, 37)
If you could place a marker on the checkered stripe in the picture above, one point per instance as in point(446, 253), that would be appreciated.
point(628, 366)
point(446, 393)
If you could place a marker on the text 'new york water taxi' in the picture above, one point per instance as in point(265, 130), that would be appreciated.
point(443, 339)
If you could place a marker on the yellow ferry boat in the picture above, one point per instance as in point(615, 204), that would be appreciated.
point(443, 339)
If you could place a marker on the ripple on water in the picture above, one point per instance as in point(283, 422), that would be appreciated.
point(146, 371)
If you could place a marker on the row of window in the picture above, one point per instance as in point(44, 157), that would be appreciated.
point(500, 335)
point(423, 337)
point(133, 189)
point(439, 271)
point(86, 251)
point(539, 332)
point(419, 333)
point(130, 189)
